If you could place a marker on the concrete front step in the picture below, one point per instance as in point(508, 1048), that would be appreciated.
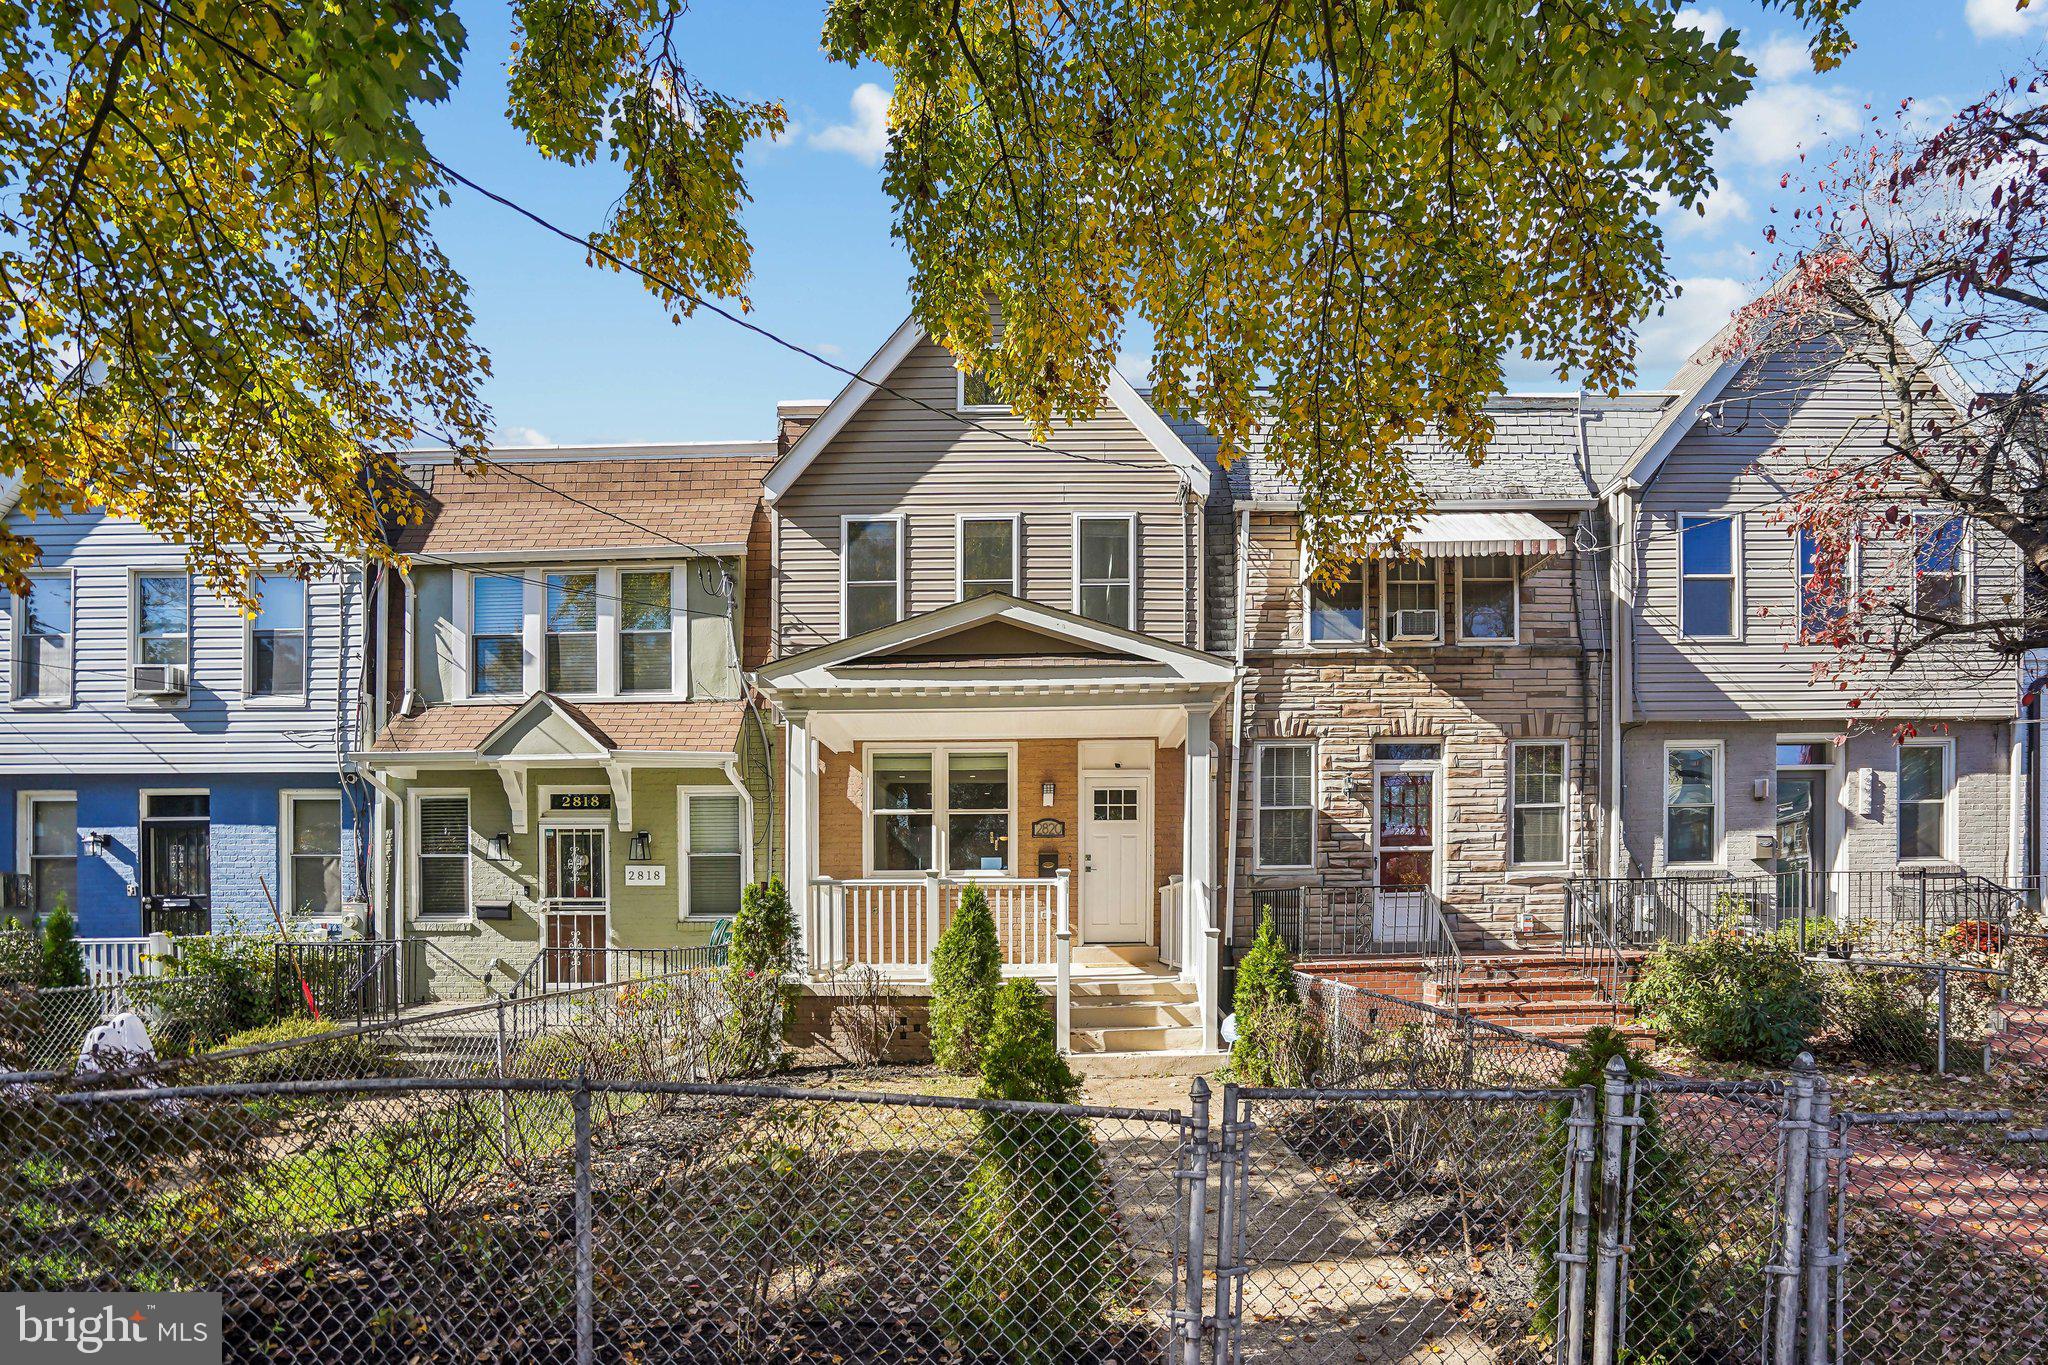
point(1541, 1012)
point(1147, 1038)
point(1168, 989)
point(1180, 1062)
point(1134, 1013)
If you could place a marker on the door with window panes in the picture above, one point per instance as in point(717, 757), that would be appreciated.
point(573, 860)
point(1405, 776)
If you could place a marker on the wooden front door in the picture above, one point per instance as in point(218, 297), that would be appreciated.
point(576, 903)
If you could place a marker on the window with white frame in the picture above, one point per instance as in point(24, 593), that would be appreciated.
point(53, 853)
point(1487, 600)
point(442, 857)
point(277, 637)
point(497, 624)
point(1410, 607)
point(1692, 803)
point(1706, 578)
point(162, 613)
point(871, 569)
point(988, 556)
point(976, 394)
point(1926, 793)
point(1941, 577)
point(43, 670)
point(571, 632)
point(1536, 803)
point(1823, 599)
point(941, 808)
point(715, 853)
point(1336, 607)
point(312, 839)
point(1103, 558)
point(647, 657)
point(1286, 831)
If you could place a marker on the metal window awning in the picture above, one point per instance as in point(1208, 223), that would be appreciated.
point(1446, 535)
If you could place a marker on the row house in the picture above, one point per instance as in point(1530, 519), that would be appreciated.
point(169, 761)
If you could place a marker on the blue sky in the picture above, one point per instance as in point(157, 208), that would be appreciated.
point(581, 355)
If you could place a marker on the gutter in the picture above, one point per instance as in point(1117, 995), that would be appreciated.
point(1230, 859)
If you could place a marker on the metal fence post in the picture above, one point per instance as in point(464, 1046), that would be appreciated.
point(1607, 1285)
point(1229, 1214)
point(1197, 1176)
point(1465, 1063)
point(1797, 1128)
point(1821, 1155)
point(1941, 1021)
point(504, 1095)
point(586, 1320)
point(1575, 1226)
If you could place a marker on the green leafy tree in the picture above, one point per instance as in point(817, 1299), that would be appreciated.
point(63, 961)
point(1020, 1055)
point(967, 968)
point(1335, 217)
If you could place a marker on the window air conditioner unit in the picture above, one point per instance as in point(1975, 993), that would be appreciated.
point(157, 680)
point(1415, 625)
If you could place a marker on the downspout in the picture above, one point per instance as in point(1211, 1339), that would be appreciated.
point(1230, 859)
point(384, 891)
point(408, 639)
point(1590, 762)
point(1621, 654)
point(2015, 836)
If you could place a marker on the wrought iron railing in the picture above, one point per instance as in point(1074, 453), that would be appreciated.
point(1324, 922)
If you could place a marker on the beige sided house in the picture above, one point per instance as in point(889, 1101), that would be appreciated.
point(569, 784)
point(988, 658)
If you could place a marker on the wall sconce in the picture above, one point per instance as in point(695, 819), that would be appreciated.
point(1046, 793)
point(500, 847)
point(95, 842)
point(641, 848)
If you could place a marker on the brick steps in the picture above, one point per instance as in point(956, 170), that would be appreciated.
point(1541, 992)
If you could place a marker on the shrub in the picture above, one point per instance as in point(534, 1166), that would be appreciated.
point(21, 956)
point(1277, 1043)
point(1035, 1192)
point(967, 967)
point(320, 1055)
point(216, 987)
point(62, 960)
point(1731, 997)
point(1665, 1251)
point(758, 983)
point(1880, 1015)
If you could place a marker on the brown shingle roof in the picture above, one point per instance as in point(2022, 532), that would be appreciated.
point(632, 502)
point(695, 726)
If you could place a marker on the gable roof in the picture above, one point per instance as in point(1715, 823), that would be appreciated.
point(868, 381)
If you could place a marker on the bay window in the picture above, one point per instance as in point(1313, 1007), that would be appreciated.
point(572, 632)
point(497, 618)
point(646, 631)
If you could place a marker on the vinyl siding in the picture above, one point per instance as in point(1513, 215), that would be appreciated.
point(215, 729)
point(1784, 411)
point(896, 457)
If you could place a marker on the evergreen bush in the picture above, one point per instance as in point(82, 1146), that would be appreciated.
point(967, 969)
point(759, 984)
point(320, 1055)
point(1731, 997)
point(1277, 1042)
point(62, 960)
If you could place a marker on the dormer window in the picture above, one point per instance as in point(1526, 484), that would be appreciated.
point(497, 618)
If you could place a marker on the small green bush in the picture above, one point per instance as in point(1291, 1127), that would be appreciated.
point(967, 967)
point(215, 987)
point(1731, 997)
point(21, 956)
point(1277, 1042)
point(318, 1056)
point(1020, 1056)
point(759, 984)
point(62, 960)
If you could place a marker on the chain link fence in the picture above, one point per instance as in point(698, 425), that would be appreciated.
point(1936, 1016)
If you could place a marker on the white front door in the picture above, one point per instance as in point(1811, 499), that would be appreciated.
point(1116, 858)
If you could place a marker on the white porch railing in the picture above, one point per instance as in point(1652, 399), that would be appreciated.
point(109, 961)
point(1172, 924)
point(893, 923)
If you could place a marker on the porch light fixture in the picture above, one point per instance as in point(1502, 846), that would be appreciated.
point(500, 847)
point(641, 848)
point(95, 842)
point(1046, 792)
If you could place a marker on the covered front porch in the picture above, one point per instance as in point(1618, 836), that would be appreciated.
point(1063, 767)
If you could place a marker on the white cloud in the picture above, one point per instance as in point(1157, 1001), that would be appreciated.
point(1782, 56)
point(2002, 18)
point(866, 137)
point(1708, 20)
point(1725, 207)
point(520, 436)
point(1775, 122)
point(1703, 305)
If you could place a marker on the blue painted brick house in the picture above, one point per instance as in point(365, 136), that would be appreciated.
point(167, 762)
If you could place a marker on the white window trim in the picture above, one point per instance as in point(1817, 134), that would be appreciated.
point(1514, 582)
point(414, 853)
point(1736, 605)
point(1315, 788)
point(1308, 613)
point(1130, 521)
point(283, 701)
point(1386, 610)
point(614, 643)
point(25, 834)
point(1851, 572)
point(1564, 804)
point(960, 551)
point(689, 794)
point(287, 821)
point(597, 631)
point(941, 853)
point(960, 403)
point(846, 521)
point(1720, 858)
point(135, 574)
point(20, 635)
point(530, 668)
point(1950, 817)
point(1966, 556)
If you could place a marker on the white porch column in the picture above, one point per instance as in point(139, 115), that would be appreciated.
point(799, 839)
point(1198, 874)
